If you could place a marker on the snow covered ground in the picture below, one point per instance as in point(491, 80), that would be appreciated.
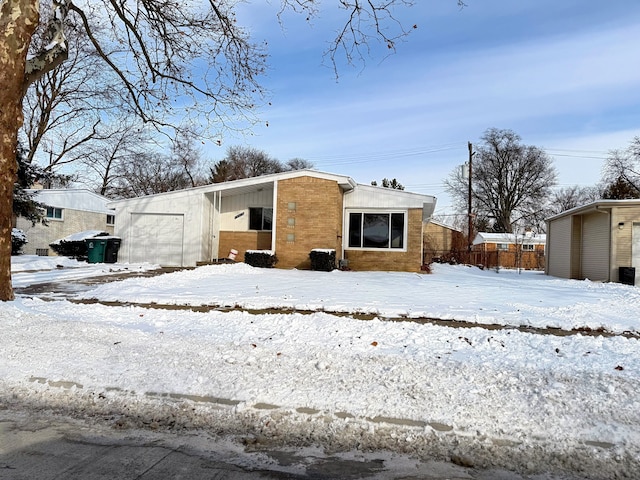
point(499, 397)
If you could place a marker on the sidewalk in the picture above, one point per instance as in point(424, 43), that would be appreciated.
point(39, 447)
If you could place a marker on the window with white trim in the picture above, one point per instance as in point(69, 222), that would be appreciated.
point(54, 213)
point(260, 218)
point(528, 247)
point(377, 230)
point(111, 219)
point(502, 246)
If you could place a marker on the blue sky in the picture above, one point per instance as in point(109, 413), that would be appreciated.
point(564, 75)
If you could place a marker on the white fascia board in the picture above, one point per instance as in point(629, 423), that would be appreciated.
point(345, 182)
point(595, 206)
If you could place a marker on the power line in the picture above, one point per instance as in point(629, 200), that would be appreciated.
point(381, 156)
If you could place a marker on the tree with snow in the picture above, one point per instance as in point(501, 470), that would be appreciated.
point(152, 47)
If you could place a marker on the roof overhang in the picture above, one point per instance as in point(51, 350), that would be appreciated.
point(247, 185)
point(598, 206)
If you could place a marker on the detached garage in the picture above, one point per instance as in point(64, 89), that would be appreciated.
point(597, 241)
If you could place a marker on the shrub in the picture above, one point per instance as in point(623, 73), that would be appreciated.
point(18, 240)
point(73, 249)
point(260, 258)
point(323, 260)
point(75, 245)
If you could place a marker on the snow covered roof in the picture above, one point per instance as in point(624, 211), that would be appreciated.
point(487, 237)
point(73, 199)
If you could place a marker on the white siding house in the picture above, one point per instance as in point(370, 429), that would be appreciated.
point(68, 211)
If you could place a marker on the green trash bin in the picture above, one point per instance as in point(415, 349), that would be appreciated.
point(96, 248)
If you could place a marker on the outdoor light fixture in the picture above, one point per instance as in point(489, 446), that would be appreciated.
point(621, 225)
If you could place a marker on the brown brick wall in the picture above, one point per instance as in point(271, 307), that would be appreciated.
point(409, 261)
point(243, 241)
point(317, 219)
point(437, 238)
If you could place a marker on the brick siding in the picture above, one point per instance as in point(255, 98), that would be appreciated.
point(243, 241)
point(315, 222)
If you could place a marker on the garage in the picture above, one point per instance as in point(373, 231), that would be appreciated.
point(595, 247)
point(597, 241)
point(156, 238)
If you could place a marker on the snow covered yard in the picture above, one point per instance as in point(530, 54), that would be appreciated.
point(521, 401)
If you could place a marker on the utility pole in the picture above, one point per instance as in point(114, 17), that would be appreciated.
point(470, 231)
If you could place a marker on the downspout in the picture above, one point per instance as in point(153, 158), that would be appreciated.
point(274, 221)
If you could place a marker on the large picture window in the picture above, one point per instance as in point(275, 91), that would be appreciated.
point(260, 218)
point(376, 230)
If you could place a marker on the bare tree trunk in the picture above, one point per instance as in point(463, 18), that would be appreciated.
point(18, 20)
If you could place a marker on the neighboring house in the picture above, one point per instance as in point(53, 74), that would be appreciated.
point(68, 211)
point(290, 213)
point(595, 242)
point(509, 250)
point(443, 242)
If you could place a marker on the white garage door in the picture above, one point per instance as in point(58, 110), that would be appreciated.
point(157, 238)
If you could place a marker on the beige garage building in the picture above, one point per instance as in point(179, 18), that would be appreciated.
point(599, 241)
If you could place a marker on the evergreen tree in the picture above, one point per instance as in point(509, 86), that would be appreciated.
point(24, 204)
point(620, 189)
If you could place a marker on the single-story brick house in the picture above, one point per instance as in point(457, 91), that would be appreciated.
point(595, 241)
point(509, 250)
point(68, 211)
point(290, 213)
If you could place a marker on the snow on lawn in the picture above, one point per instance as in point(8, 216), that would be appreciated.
point(451, 292)
point(500, 397)
point(31, 269)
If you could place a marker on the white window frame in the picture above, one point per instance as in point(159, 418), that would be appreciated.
point(502, 247)
point(362, 211)
point(528, 247)
point(112, 217)
point(53, 217)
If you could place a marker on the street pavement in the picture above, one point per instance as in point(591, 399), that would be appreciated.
point(40, 446)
